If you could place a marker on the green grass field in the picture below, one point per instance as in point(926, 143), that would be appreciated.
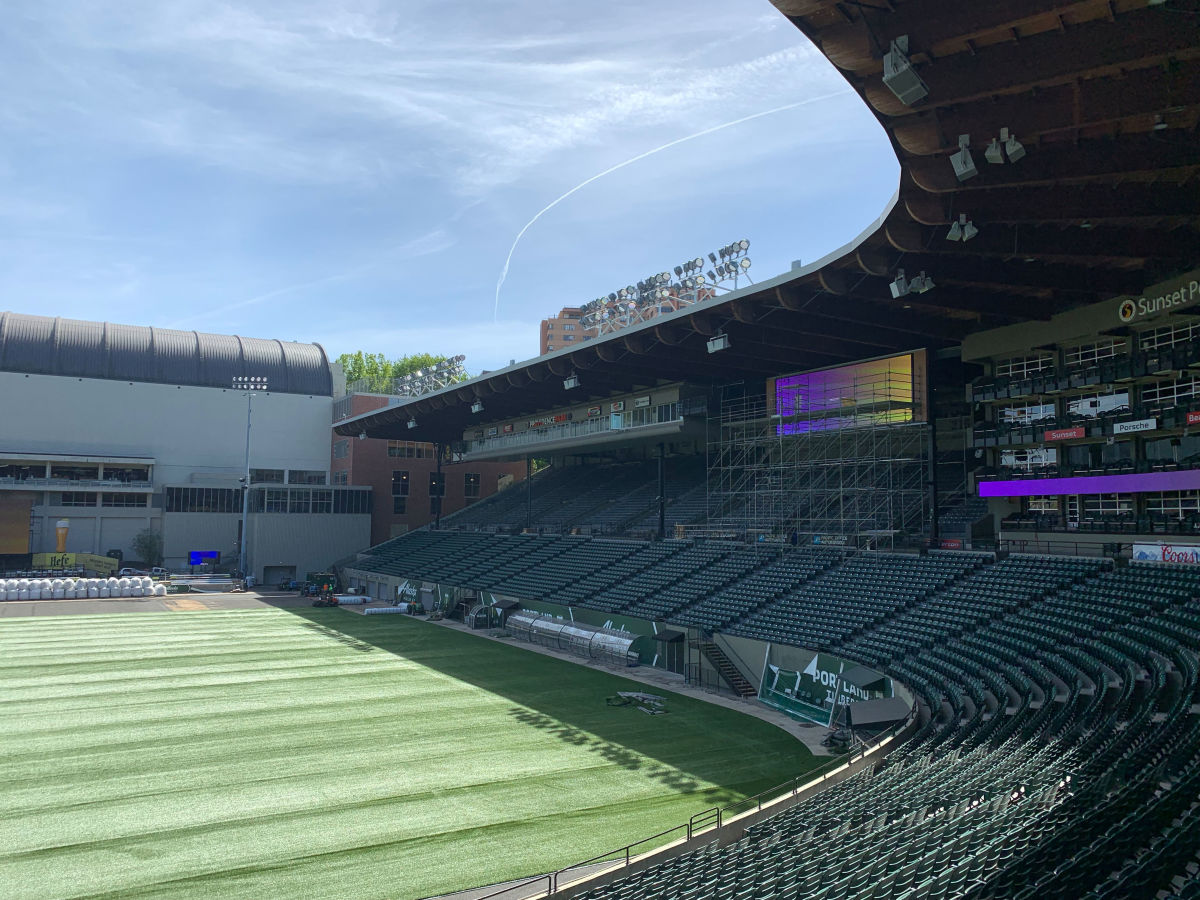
point(318, 753)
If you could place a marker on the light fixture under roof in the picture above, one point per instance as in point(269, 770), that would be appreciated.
point(921, 284)
point(477, 406)
point(964, 166)
point(718, 342)
point(1014, 148)
point(899, 287)
point(899, 75)
point(962, 230)
point(412, 423)
point(571, 381)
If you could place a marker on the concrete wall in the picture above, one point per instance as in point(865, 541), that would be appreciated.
point(188, 430)
point(310, 542)
point(92, 529)
point(185, 532)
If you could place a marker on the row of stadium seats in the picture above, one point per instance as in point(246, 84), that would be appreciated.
point(1058, 747)
point(609, 499)
point(1058, 754)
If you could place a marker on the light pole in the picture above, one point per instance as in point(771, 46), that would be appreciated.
point(249, 384)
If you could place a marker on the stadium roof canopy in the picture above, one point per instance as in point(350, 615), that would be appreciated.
point(1103, 96)
point(39, 345)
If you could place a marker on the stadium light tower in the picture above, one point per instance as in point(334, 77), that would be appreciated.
point(249, 384)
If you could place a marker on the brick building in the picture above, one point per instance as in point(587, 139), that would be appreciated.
point(562, 330)
point(403, 475)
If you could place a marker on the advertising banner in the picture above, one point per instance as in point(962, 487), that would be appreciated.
point(815, 692)
point(1062, 434)
point(1193, 418)
point(1167, 553)
point(1133, 427)
point(1188, 480)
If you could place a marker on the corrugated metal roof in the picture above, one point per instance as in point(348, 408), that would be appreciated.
point(45, 346)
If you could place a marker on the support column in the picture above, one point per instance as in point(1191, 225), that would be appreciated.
point(662, 493)
point(931, 413)
point(441, 487)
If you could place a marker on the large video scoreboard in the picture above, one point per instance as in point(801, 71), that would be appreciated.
point(886, 391)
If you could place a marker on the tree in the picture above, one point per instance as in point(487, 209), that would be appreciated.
point(148, 545)
point(378, 371)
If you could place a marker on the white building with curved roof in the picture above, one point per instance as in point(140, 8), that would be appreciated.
point(119, 428)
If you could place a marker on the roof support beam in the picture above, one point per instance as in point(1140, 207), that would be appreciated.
point(1122, 156)
point(1047, 242)
point(1090, 49)
point(1062, 203)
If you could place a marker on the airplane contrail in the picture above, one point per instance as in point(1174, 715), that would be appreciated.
point(691, 137)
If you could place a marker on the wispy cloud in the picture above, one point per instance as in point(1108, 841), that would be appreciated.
point(346, 86)
point(428, 244)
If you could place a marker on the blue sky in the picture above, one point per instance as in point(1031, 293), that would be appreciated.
point(354, 173)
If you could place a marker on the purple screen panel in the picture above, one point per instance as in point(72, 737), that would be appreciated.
point(1093, 484)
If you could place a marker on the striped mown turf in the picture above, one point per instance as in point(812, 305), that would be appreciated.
point(317, 753)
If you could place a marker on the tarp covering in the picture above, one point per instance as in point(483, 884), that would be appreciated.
point(867, 679)
point(883, 711)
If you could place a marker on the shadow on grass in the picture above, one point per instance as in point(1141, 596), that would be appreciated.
point(697, 742)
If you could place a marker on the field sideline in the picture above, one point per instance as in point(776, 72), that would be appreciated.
point(316, 753)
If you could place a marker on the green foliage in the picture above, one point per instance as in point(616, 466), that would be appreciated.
point(148, 545)
point(378, 370)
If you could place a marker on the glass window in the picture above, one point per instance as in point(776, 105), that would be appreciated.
point(322, 501)
point(1174, 504)
point(1024, 415)
point(123, 500)
point(341, 449)
point(203, 500)
point(409, 450)
point(1107, 504)
point(568, 327)
point(400, 483)
point(351, 502)
point(1022, 366)
point(1090, 353)
point(266, 476)
point(1043, 504)
point(1169, 335)
point(1095, 404)
point(277, 501)
point(305, 476)
point(1168, 393)
point(1033, 458)
point(399, 506)
point(341, 477)
point(299, 501)
point(77, 498)
point(471, 485)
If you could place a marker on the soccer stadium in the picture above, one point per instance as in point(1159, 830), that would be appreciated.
point(879, 578)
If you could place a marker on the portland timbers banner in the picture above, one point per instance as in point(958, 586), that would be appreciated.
point(812, 693)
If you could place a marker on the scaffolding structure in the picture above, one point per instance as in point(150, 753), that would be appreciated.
point(841, 459)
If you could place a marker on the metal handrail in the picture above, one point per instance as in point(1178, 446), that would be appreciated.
point(790, 787)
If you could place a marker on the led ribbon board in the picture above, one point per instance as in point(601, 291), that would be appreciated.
point(1093, 484)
